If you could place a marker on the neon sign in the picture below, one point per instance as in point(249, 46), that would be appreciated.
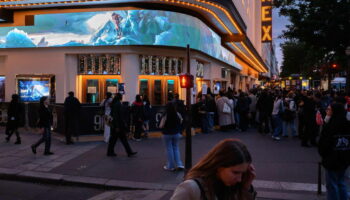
point(266, 20)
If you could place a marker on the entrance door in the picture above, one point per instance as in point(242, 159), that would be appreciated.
point(95, 87)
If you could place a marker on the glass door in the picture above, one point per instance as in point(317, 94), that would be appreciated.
point(170, 89)
point(144, 87)
point(157, 93)
point(92, 91)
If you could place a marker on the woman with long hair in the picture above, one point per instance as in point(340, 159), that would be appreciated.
point(225, 172)
point(171, 124)
point(45, 122)
point(334, 149)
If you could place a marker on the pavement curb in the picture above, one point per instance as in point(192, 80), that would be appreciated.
point(60, 179)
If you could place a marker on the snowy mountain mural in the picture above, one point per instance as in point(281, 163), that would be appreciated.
point(133, 27)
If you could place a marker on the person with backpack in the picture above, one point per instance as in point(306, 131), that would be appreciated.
point(225, 172)
point(334, 149)
point(171, 128)
point(14, 112)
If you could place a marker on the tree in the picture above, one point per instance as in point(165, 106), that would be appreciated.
point(323, 26)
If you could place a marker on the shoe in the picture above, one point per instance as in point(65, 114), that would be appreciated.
point(138, 140)
point(132, 154)
point(48, 153)
point(276, 138)
point(111, 154)
point(180, 168)
point(33, 149)
point(7, 139)
point(69, 142)
point(18, 142)
point(168, 169)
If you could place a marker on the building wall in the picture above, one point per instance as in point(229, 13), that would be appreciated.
point(63, 62)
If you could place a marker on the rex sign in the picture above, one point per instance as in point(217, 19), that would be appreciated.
point(266, 20)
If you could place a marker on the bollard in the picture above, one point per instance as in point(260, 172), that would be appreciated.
point(319, 182)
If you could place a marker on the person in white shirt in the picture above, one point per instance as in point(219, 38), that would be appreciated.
point(276, 117)
point(106, 104)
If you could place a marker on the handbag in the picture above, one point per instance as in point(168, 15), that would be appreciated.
point(226, 109)
point(162, 121)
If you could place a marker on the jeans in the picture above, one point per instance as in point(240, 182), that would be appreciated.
point(173, 151)
point(205, 123)
point(335, 183)
point(45, 138)
point(347, 180)
point(291, 124)
point(278, 123)
point(211, 120)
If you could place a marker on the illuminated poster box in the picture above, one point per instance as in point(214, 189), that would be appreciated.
point(32, 88)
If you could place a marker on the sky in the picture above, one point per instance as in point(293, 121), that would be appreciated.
point(278, 25)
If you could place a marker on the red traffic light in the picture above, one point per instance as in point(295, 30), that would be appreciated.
point(334, 66)
point(186, 81)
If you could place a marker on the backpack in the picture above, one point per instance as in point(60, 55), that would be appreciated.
point(341, 148)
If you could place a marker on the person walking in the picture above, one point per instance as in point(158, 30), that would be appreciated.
point(45, 123)
point(334, 148)
point(138, 114)
point(243, 111)
point(71, 115)
point(118, 127)
point(263, 106)
point(106, 105)
point(225, 172)
point(171, 129)
point(14, 113)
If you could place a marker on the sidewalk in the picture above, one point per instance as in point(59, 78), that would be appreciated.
point(278, 165)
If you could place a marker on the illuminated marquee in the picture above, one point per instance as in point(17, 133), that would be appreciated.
point(266, 20)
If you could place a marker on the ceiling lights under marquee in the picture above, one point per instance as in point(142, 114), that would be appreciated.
point(202, 5)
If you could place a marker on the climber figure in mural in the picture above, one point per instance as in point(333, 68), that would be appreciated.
point(117, 19)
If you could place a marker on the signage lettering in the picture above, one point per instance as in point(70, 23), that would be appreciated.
point(266, 21)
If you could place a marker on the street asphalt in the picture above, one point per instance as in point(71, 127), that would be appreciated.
point(285, 170)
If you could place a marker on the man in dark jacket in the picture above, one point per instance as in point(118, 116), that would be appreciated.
point(118, 127)
point(14, 113)
point(71, 115)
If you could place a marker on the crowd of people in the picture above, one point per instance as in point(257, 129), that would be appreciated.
point(318, 118)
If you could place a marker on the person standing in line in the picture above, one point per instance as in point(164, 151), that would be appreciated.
point(243, 111)
point(211, 111)
point(289, 116)
point(225, 172)
point(225, 118)
point(171, 129)
point(264, 112)
point(252, 108)
point(334, 149)
point(118, 127)
point(107, 104)
point(277, 117)
point(71, 115)
point(45, 123)
point(138, 114)
point(13, 118)
point(148, 114)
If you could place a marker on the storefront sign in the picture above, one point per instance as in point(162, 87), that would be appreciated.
point(99, 64)
point(266, 20)
point(112, 89)
point(160, 65)
point(92, 90)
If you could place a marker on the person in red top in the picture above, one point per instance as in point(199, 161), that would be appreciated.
point(138, 115)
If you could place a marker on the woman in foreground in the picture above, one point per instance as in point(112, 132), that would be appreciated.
point(225, 173)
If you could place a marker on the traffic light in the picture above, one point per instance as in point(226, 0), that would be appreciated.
point(186, 81)
point(334, 66)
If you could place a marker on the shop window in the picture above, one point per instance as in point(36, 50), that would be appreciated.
point(157, 95)
point(92, 91)
point(97, 64)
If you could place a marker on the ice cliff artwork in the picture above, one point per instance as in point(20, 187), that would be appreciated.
point(122, 27)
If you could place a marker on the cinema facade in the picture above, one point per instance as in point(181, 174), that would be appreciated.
point(134, 47)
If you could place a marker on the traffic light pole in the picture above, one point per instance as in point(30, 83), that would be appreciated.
point(188, 150)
